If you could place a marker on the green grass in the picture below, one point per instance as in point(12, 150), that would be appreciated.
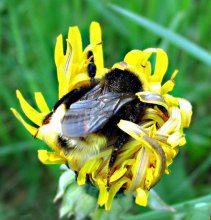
point(28, 30)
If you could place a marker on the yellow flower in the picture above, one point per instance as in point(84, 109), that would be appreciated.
point(155, 140)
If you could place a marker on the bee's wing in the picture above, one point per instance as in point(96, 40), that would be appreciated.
point(88, 116)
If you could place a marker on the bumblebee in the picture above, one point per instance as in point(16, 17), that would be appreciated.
point(84, 121)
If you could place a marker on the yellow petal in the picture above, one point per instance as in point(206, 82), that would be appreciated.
point(134, 58)
point(89, 167)
point(141, 197)
point(47, 157)
point(152, 145)
point(139, 169)
point(30, 112)
point(113, 191)
point(139, 57)
point(170, 100)
point(152, 114)
point(68, 66)
point(68, 59)
point(169, 85)
point(58, 52)
point(173, 123)
point(32, 130)
point(96, 40)
point(170, 152)
point(121, 170)
point(62, 81)
point(152, 98)
point(121, 65)
point(118, 174)
point(176, 139)
point(60, 60)
point(161, 64)
point(41, 103)
point(80, 78)
point(186, 112)
point(150, 178)
point(130, 149)
point(103, 192)
point(74, 38)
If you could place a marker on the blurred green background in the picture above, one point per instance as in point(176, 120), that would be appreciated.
point(28, 30)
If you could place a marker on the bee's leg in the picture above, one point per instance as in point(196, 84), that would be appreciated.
point(122, 139)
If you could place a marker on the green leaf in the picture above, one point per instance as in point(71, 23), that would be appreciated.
point(199, 211)
point(161, 31)
point(16, 147)
point(186, 208)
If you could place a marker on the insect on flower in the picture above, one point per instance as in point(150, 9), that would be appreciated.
point(118, 128)
point(84, 121)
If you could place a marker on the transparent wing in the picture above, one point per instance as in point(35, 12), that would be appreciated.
point(89, 115)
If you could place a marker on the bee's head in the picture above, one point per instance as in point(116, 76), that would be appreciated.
point(45, 121)
point(47, 118)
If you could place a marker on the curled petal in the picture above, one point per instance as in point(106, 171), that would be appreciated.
point(139, 169)
point(160, 68)
point(186, 112)
point(134, 58)
point(136, 132)
point(173, 123)
point(176, 139)
point(153, 115)
point(169, 152)
point(161, 64)
point(152, 98)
